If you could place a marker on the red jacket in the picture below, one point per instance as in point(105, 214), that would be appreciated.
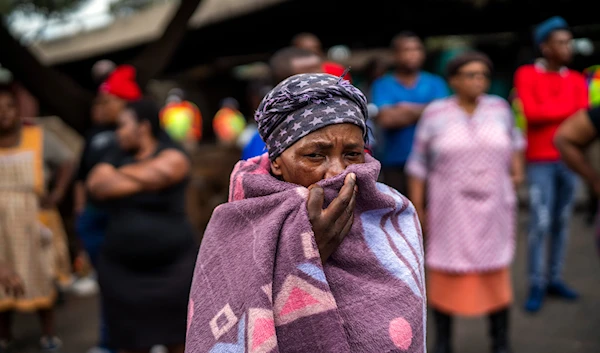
point(548, 99)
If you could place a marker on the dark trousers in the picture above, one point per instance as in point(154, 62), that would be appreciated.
point(91, 226)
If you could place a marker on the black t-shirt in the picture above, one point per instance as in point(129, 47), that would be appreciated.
point(98, 142)
point(150, 227)
point(594, 115)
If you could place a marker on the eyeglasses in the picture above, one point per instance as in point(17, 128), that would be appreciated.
point(472, 75)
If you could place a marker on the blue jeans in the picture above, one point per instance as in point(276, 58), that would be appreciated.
point(551, 196)
point(91, 226)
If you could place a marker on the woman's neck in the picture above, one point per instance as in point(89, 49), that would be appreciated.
point(10, 139)
point(468, 104)
point(147, 148)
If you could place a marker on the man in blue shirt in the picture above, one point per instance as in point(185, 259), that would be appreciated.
point(401, 97)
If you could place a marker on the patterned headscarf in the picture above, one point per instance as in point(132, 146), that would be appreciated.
point(305, 103)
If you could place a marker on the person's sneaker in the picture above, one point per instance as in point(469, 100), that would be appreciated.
point(159, 349)
point(560, 289)
point(535, 299)
point(50, 344)
point(84, 287)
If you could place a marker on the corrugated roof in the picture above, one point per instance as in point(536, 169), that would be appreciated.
point(140, 28)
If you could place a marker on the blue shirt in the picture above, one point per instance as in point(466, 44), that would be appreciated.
point(255, 147)
point(388, 91)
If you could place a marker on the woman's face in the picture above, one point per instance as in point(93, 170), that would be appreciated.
point(111, 106)
point(98, 114)
point(129, 130)
point(9, 115)
point(322, 154)
point(472, 80)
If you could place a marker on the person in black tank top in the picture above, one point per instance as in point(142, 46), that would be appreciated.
point(148, 257)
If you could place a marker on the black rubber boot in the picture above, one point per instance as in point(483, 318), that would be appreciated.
point(499, 331)
point(443, 328)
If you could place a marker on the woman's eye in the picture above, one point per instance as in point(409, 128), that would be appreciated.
point(354, 154)
point(313, 155)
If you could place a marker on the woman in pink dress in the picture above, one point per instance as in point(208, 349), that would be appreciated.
point(465, 164)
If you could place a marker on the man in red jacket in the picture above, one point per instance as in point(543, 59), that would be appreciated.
point(550, 93)
point(309, 41)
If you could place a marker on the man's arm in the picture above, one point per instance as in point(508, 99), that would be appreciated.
point(400, 115)
point(517, 168)
point(58, 156)
point(536, 111)
point(393, 115)
point(572, 138)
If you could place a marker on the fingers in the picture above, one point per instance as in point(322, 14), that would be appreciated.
point(347, 215)
point(340, 204)
point(314, 205)
point(347, 228)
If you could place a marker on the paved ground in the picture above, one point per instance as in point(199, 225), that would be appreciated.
point(559, 328)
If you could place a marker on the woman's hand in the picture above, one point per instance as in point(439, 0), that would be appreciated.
point(331, 225)
point(51, 200)
point(10, 281)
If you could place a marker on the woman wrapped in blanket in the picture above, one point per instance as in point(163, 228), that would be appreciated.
point(310, 254)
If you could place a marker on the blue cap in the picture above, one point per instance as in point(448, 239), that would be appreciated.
point(544, 29)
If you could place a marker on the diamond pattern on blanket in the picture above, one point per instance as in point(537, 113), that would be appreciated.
point(223, 321)
point(239, 346)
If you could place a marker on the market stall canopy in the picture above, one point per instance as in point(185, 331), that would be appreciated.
point(140, 28)
point(222, 29)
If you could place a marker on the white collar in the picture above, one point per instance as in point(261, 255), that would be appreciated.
point(542, 64)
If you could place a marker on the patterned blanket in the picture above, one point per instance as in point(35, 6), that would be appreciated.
point(259, 285)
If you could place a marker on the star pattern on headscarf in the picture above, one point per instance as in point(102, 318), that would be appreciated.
point(306, 103)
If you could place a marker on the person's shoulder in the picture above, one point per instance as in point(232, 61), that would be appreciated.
point(385, 80)
point(495, 100)
point(170, 146)
point(435, 110)
point(576, 75)
point(498, 104)
point(437, 104)
point(431, 77)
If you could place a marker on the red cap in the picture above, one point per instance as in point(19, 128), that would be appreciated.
point(335, 69)
point(121, 83)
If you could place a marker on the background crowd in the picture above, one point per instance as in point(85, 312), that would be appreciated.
point(458, 152)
